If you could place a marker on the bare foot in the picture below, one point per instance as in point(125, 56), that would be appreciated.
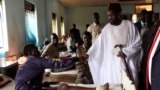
point(103, 87)
point(107, 86)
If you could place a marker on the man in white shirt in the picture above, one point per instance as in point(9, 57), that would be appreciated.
point(95, 28)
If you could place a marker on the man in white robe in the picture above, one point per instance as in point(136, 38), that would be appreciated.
point(104, 60)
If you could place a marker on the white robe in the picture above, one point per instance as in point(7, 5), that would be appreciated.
point(104, 64)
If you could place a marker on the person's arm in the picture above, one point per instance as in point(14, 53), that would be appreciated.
point(84, 57)
point(46, 63)
point(45, 51)
point(134, 44)
point(89, 29)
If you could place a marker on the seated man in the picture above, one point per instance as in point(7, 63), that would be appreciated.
point(51, 51)
point(30, 74)
point(84, 76)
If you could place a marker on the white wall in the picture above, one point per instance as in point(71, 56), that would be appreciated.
point(15, 25)
point(31, 1)
point(83, 15)
point(52, 6)
point(156, 7)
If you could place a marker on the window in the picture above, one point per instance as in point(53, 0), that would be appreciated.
point(62, 27)
point(134, 18)
point(139, 8)
point(54, 24)
point(30, 24)
point(3, 30)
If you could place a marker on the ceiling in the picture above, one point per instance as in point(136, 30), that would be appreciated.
point(76, 3)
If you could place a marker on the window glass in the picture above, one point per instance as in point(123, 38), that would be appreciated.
point(62, 27)
point(54, 24)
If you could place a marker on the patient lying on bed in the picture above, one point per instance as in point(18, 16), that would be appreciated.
point(67, 87)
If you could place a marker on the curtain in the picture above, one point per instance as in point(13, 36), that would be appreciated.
point(1, 28)
point(31, 28)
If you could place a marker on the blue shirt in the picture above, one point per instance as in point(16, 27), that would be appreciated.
point(30, 75)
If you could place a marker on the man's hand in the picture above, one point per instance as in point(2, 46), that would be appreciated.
point(83, 57)
point(121, 55)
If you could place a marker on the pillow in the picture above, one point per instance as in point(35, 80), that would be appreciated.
point(4, 80)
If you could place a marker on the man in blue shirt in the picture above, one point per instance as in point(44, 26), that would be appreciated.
point(30, 75)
